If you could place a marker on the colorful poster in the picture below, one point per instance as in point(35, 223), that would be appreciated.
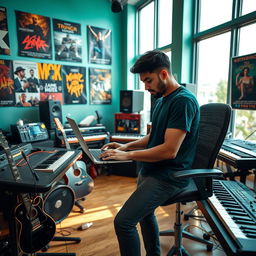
point(243, 87)
point(7, 94)
point(4, 36)
point(74, 85)
point(99, 45)
point(67, 41)
point(34, 35)
point(100, 86)
point(50, 81)
point(26, 83)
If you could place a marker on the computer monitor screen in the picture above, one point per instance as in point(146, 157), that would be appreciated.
point(243, 82)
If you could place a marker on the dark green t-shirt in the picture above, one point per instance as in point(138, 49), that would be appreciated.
point(177, 110)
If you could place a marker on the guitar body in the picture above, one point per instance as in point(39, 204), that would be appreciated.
point(79, 180)
point(36, 231)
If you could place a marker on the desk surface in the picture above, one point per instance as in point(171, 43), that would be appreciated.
point(29, 184)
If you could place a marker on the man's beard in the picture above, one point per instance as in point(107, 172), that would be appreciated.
point(161, 87)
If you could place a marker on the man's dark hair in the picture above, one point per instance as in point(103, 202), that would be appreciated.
point(150, 61)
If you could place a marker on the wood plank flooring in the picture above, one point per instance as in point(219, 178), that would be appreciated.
point(107, 197)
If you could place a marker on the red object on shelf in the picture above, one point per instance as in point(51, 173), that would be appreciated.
point(127, 123)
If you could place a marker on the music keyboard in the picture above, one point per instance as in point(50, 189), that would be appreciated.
point(73, 139)
point(233, 206)
point(125, 137)
point(241, 154)
point(54, 161)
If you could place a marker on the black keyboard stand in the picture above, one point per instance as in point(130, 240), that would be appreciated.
point(78, 204)
point(61, 239)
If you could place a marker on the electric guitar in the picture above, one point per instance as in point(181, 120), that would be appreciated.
point(36, 228)
point(76, 177)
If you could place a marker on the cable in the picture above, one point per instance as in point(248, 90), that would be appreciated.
point(29, 166)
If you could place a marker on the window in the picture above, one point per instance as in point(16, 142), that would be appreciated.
point(213, 62)
point(245, 123)
point(214, 12)
point(165, 23)
point(146, 28)
point(148, 36)
point(215, 46)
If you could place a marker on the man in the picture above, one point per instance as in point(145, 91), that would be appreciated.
point(169, 147)
point(23, 101)
point(33, 82)
point(20, 82)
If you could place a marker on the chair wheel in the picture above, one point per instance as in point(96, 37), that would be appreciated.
point(206, 236)
point(44, 249)
point(186, 217)
point(209, 247)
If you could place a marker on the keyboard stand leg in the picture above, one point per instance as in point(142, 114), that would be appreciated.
point(77, 203)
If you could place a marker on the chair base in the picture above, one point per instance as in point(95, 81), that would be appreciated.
point(179, 251)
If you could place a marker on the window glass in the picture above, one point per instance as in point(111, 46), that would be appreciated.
point(214, 12)
point(247, 39)
point(165, 22)
point(213, 62)
point(248, 6)
point(146, 28)
point(245, 122)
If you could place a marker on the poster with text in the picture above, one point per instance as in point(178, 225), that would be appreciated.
point(50, 81)
point(243, 88)
point(67, 41)
point(100, 86)
point(4, 35)
point(26, 83)
point(34, 35)
point(7, 93)
point(99, 45)
point(74, 85)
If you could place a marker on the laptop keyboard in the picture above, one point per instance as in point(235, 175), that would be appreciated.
point(96, 153)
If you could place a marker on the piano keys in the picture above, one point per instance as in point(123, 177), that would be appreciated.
point(231, 213)
point(125, 137)
point(238, 153)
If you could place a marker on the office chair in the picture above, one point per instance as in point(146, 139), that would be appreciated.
point(214, 122)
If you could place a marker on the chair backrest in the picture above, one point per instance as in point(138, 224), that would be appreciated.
point(214, 123)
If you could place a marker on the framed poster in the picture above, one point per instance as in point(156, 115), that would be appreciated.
point(100, 86)
point(4, 34)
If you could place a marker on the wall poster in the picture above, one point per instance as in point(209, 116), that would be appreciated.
point(4, 35)
point(74, 85)
point(7, 94)
point(99, 45)
point(34, 35)
point(26, 83)
point(67, 41)
point(50, 81)
point(100, 86)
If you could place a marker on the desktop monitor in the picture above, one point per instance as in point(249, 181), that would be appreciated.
point(243, 82)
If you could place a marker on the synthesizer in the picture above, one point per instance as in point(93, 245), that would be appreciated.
point(239, 153)
point(231, 213)
point(125, 137)
point(95, 133)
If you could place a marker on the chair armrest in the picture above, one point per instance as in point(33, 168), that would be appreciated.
point(195, 173)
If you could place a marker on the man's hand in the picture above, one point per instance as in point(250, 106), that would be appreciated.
point(115, 154)
point(114, 145)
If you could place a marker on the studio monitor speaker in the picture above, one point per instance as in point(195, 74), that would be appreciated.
point(131, 101)
point(48, 110)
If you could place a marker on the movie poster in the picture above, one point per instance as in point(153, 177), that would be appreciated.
point(100, 86)
point(74, 85)
point(7, 94)
point(67, 41)
point(4, 36)
point(34, 35)
point(26, 83)
point(50, 81)
point(99, 45)
point(243, 92)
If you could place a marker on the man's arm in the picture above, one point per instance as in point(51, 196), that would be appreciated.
point(167, 150)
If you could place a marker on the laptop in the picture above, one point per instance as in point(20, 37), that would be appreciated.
point(92, 153)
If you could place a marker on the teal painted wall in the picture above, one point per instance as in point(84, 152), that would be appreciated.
point(86, 12)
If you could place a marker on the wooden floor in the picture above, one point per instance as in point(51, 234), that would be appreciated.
point(108, 196)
